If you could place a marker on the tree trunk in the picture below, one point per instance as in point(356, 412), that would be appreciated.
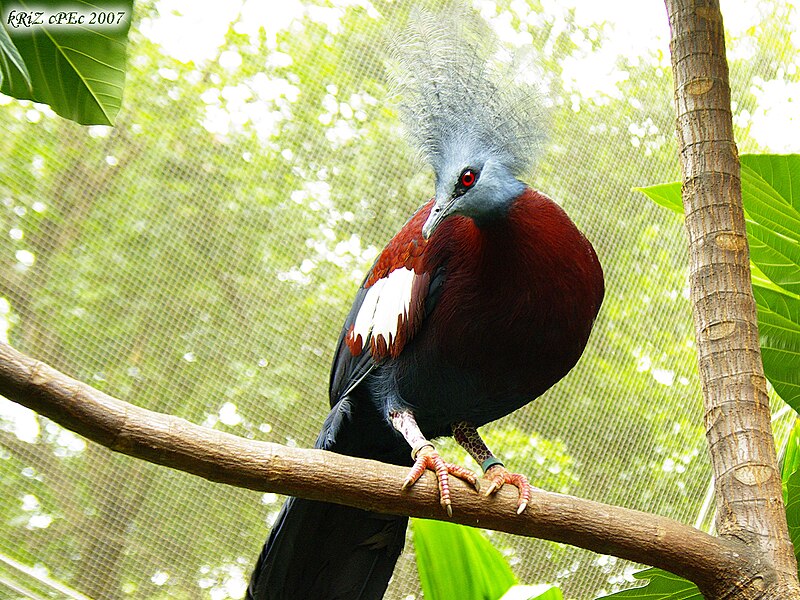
point(737, 416)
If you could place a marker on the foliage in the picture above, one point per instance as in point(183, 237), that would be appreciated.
point(790, 456)
point(662, 586)
point(793, 508)
point(459, 562)
point(771, 197)
point(666, 586)
point(78, 70)
point(790, 476)
point(10, 59)
point(771, 200)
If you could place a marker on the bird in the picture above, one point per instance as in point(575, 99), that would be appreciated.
point(483, 300)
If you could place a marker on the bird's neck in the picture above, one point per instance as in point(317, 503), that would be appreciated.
point(496, 231)
point(499, 195)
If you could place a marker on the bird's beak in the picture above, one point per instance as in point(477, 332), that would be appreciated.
point(440, 210)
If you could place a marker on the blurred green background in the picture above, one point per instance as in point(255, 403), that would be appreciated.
point(199, 259)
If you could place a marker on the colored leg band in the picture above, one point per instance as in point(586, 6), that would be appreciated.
point(490, 462)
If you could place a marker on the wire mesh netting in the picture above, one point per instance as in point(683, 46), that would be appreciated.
point(199, 258)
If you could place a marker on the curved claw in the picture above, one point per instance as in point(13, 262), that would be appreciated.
point(428, 458)
point(498, 475)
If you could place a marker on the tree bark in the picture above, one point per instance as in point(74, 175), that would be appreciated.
point(319, 475)
point(737, 416)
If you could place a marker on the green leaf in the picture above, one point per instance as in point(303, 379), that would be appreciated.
point(10, 58)
point(777, 256)
point(773, 228)
point(790, 457)
point(79, 70)
point(793, 509)
point(662, 586)
point(667, 195)
point(459, 562)
point(771, 199)
point(779, 326)
point(533, 592)
point(762, 280)
point(779, 171)
point(766, 205)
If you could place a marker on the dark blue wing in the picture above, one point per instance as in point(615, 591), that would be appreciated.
point(355, 359)
point(349, 370)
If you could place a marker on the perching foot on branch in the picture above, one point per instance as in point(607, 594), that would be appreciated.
point(428, 458)
point(498, 476)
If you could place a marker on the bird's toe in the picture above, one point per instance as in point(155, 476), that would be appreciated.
point(498, 476)
point(428, 459)
point(463, 473)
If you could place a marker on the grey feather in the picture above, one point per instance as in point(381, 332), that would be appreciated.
point(458, 98)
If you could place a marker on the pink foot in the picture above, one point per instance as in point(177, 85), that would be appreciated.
point(498, 476)
point(428, 458)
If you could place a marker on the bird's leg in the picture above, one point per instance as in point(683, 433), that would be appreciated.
point(426, 457)
point(467, 436)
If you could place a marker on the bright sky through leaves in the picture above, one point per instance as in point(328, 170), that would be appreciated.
point(192, 30)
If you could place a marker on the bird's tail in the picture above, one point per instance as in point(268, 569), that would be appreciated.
point(323, 551)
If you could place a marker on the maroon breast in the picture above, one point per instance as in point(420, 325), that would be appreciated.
point(521, 293)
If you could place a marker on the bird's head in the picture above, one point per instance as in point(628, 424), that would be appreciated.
point(467, 112)
point(481, 189)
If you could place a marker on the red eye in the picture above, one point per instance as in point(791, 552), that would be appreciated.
point(468, 178)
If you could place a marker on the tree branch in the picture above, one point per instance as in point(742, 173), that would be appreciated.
point(737, 415)
point(315, 474)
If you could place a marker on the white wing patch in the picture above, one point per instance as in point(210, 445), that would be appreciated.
point(385, 306)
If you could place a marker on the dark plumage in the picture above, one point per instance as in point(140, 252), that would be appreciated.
point(509, 312)
point(483, 300)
